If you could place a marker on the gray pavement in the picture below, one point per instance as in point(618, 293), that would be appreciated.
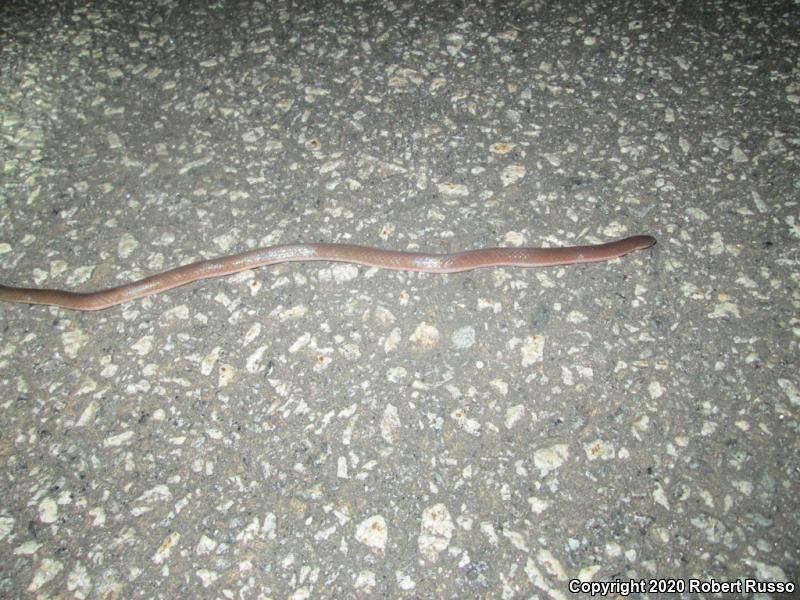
point(329, 431)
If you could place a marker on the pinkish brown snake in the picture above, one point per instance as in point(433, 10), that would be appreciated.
point(360, 255)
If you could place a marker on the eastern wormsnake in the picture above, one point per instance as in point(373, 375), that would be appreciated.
point(360, 255)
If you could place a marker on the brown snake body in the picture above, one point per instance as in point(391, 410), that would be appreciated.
point(361, 255)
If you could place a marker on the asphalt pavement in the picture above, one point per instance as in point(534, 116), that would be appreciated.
point(315, 430)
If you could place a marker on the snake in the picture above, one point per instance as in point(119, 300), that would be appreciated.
point(349, 253)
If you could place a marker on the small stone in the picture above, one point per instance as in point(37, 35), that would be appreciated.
point(373, 532)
